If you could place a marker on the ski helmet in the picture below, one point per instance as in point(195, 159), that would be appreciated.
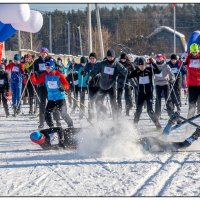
point(37, 137)
point(51, 64)
point(194, 48)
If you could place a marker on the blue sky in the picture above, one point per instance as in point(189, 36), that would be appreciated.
point(68, 7)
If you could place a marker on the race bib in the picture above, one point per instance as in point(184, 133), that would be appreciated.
point(75, 82)
point(194, 63)
point(144, 80)
point(52, 84)
point(1, 82)
point(109, 70)
point(159, 75)
point(174, 70)
point(54, 138)
point(42, 67)
point(15, 69)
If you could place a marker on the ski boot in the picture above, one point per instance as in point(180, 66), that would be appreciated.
point(127, 111)
point(41, 126)
point(18, 111)
point(158, 125)
point(31, 111)
point(14, 110)
point(173, 119)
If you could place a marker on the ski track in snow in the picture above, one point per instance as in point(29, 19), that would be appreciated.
point(107, 167)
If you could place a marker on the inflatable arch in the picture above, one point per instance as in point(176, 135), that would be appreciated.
point(194, 38)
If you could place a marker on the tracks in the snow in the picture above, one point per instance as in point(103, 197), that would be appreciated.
point(157, 182)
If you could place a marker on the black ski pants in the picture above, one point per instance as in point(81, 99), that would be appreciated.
point(193, 95)
point(92, 95)
point(61, 107)
point(165, 89)
point(142, 97)
point(100, 98)
point(176, 94)
point(127, 96)
point(4, 101)
point(42, 93)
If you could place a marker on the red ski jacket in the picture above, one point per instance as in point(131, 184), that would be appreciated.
point(193, 70)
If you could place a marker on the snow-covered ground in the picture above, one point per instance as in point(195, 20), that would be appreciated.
point(102, 166)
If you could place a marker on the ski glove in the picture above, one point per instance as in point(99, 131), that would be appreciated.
point(82, 73)
point(61, 89)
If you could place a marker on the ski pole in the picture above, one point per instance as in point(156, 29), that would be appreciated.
point(81, 83)
point(186, 100)
point(98, 129)
point(172, 88)
point(78, 101)
point(23, 92)
point(189, 121)
point(175, 97)
point(35, 91)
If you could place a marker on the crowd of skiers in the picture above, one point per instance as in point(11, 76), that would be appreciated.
point(46, 82)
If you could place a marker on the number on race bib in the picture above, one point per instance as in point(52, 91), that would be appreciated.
point(174, 70)
point(52, 84)
point(75, 82)
point(1, 82)
point(109, 70)
point(42, 67)
point(15, 69)
point(194, 63)
point(144, 80)
point(54, 138)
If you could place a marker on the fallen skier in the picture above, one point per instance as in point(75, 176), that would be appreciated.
point(55, 138)
point(154, 144)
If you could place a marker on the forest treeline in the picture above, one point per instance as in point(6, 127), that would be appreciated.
point(123, 29)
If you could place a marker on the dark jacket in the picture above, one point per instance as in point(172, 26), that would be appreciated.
point(57, 137)
point(109, 73)
point(145, 84)
point(175, 69)
point(120, 82)
point(94, 82)
point(4, 82)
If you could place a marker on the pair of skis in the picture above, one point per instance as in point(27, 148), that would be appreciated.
point(153, 144)
point(169, 127)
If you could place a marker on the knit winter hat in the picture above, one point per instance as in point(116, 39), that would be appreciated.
point(141, 61)
point(45, 50)
point(17, 57)
point(194, 48)
point(173, 57)
point(59, 59)
point(83, 60)
point(123, 56)
point(93, 55)
point(111, 53)
point(160, 56)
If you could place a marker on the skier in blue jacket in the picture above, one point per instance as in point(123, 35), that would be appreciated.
point(17, 70)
